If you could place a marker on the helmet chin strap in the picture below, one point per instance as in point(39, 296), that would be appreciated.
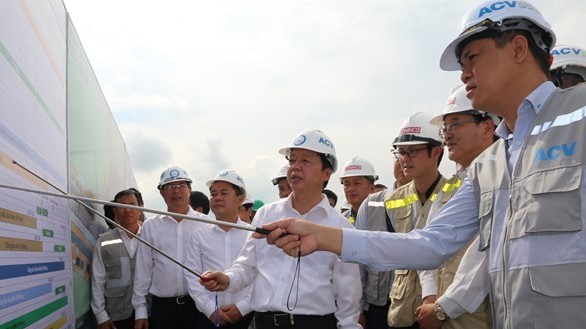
point(558, 78)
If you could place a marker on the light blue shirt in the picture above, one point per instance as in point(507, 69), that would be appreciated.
point(455, 224)
point(526, 115)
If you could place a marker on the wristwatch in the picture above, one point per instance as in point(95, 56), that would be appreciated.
point(439, 313)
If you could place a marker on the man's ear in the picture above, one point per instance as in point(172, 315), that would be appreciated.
point(520, 48)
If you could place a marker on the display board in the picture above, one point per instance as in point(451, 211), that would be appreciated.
point(35, 267)
point(57, 134)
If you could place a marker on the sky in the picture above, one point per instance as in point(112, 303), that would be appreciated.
point(214, 85)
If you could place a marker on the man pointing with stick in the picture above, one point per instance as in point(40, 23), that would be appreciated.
point(525, 195)
point(318, 291)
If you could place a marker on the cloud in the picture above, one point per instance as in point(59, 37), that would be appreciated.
point(147, 153)
point(210, 85)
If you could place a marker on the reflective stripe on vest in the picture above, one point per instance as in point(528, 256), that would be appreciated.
point(449, 187)
point(398, 203)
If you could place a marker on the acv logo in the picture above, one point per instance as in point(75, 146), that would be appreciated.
point(499, 5)
point(326, 142)
point(299, 140)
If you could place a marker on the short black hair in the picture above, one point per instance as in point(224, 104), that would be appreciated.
point(130, 191)
point(331, 195)
point(109, 213)
point(199, 199)
point(501, 38)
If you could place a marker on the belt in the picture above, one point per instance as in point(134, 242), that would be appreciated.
point(179, 300)
point(279, 319)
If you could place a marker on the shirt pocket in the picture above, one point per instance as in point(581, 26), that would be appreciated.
point(549, 202)
point(565, 280)
point(403, 219)
point(113, 269)
point(115, 292)
point(403, 284)
point(485, 214)
point(118, 273)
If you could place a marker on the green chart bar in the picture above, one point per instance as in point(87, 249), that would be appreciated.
point(47, 233)
point(59, 248)
point(59, 290)
point(36, 315)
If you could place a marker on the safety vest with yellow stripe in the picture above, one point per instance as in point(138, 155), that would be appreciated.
point(407, 213)
point(444, 275)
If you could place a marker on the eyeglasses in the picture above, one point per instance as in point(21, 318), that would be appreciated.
point(412, 152)
point(450, 128)
point(179, 186)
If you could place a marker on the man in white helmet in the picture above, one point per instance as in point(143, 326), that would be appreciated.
point(217, 247)
point(525, 194)
point(318, 291)
point(466, 133)
point(280, 181)
point(419, 149)
point(172, 307)
point(569, 66)
point(245, 210)
point(358, 180)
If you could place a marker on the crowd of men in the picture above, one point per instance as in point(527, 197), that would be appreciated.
point(499, 244)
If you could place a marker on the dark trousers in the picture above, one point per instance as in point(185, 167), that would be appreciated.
point(376, 316)
point(173, 312)
point(274, 320)
point(127, 323)
point(205, 323)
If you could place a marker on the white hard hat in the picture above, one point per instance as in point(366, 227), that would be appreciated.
point(459, 103)
point(173, 174)
point(281, 174)
point(499, 16)
point(417, 130)
point(359, 167)
point(247, 201)
point(570, 58)
point(317, 141)
point(230, 176)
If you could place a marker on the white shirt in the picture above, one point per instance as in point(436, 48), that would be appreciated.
point(427, 278)
point(155, 273)
point(471, 284)
point(99, 274)
point(324, 279)
point(212, 248)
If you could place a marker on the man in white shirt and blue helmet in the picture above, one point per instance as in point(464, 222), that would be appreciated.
point(172, 307)
point(215, 247)
point(318, 291)
point(526, 194)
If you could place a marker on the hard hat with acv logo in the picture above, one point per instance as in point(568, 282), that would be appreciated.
point(359, 167)
point(418, 130)
point(173, 174)
point(281, 174)
point(569, 58)
point(314, 140)
point(498, 16)
point(459, 103)
point(230, 176)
